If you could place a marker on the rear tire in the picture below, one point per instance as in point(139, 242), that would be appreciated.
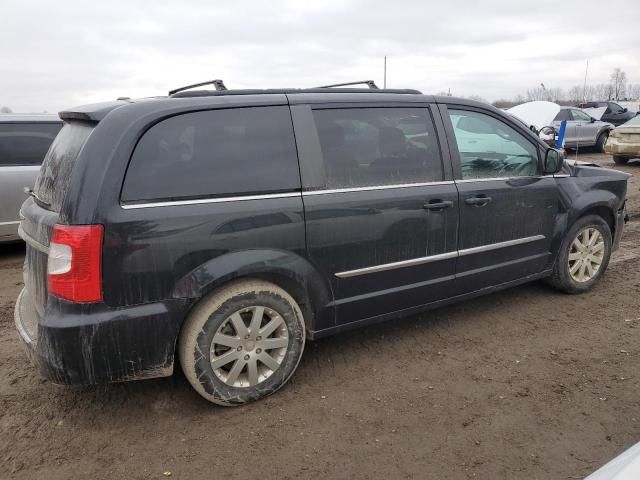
point(242, 342)
point(583, 256)
point(601, 141)
point(620, 160)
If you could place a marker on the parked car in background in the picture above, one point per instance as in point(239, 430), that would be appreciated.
point(613, 113)
point(624, 141)
point(24, 141)
point(227, 227)
point(582, 129)
point(545, 118)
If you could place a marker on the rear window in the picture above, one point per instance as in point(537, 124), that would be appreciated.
point(26, 143)
point(214, 153)
point(55, 173)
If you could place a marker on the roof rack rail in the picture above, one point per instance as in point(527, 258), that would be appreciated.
point(218, 84)
point(370, 83)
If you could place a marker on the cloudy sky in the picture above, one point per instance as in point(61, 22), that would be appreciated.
point(58, 54)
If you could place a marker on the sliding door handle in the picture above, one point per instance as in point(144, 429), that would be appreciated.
point(437, 205)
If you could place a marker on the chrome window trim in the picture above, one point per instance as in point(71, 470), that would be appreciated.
point(374, 187)
point(394, 265)
point(468, 180)
point(204, 201)
point(441, 256)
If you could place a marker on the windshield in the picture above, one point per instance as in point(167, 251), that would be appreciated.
point(634, 122)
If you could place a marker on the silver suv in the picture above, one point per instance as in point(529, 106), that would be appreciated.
point(24, 141)
point(582, 129)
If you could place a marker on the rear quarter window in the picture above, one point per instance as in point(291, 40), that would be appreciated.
point(26, 143)
point(214, 153)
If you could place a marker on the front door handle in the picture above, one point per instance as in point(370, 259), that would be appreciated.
point(437, 205)
point(479, 201)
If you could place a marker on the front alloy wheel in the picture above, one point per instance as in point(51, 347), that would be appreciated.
point(586, 254)
point(583, 255)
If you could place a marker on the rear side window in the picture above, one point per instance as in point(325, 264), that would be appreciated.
point(378, 146)
point(230, 152)
point(55, 173)
point(26, 143)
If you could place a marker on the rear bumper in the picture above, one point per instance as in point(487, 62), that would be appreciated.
point(89, 344)
point(622, 149)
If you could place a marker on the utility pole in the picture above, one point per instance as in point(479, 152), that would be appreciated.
point(385, 71)
point(584, 88)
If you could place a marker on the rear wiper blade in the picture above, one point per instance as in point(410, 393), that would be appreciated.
point(31, 193)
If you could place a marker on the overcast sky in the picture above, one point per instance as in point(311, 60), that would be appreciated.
point(59, 54)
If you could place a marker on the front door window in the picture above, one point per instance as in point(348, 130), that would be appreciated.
point(489, 148)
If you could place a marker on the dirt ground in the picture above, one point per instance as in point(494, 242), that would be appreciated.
point(523, 384)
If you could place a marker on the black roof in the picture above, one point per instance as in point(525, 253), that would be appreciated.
point(191, 99)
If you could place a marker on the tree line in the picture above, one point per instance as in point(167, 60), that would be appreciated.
point(616, 89)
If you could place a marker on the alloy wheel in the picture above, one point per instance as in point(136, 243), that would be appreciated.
point(249, 346)
point(586, 254)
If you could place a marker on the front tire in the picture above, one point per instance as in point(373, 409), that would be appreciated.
point(601, 141)
point(620, 160)
point(242, 342)
point(583, 257)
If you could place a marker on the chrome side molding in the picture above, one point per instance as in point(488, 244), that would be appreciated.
point(441, 256)
point(394, 265)
point(495, 246)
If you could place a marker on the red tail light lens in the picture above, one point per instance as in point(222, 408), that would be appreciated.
point(74, 268)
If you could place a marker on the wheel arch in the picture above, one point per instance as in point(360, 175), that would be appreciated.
point(603, 207)
point(289, 271)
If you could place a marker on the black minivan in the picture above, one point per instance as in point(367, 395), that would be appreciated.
point(226, 227)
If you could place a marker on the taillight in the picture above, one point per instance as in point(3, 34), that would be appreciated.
point(74, 268)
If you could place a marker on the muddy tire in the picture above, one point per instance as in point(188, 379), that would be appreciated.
point(242, 342)
point(601, 141)
point(583, 256)
point(620, 160)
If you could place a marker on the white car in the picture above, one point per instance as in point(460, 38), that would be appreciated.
point(626, 466)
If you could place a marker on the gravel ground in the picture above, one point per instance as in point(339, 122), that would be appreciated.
point(527, 383)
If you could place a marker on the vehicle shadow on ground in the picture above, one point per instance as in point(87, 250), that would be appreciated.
point(12, 249)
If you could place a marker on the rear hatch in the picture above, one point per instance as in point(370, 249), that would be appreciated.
point(41, 211)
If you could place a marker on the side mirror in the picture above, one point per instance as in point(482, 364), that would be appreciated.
point(553, 161)
point(593, 120)
point(625, 110)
